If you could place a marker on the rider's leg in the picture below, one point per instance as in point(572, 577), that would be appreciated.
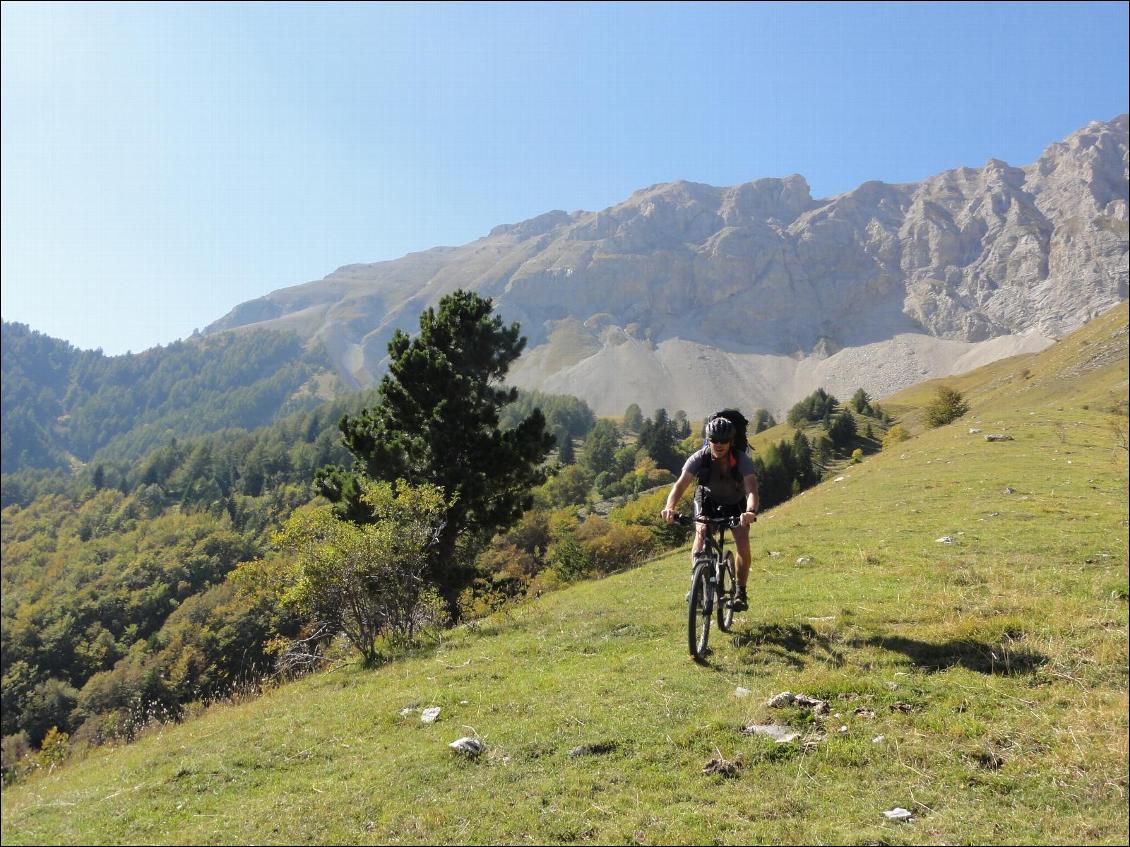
point(741, 541)
point(699, 541)
point(699, 528)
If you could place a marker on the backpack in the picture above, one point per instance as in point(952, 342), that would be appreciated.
point(741, 439)
point(740, 443)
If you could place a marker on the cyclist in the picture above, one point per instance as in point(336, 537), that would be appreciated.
point(727, 487)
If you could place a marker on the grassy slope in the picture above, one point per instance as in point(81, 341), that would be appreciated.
point(995, 668)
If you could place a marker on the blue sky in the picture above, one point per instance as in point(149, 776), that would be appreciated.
point(163, 163)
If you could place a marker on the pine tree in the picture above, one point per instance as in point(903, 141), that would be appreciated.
point(437, 422)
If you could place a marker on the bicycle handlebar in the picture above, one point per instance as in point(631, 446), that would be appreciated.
point(729, 522)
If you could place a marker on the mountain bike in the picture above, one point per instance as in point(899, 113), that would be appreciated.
point(713, 584)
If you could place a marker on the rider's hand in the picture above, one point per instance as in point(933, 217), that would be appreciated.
point(668, 515)
point(748, 518)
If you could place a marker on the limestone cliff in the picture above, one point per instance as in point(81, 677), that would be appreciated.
point(690, 296)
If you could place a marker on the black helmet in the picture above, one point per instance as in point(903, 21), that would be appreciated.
point(719, 429)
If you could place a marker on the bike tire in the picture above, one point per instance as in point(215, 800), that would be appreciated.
point(727, 591)
point(699, 611)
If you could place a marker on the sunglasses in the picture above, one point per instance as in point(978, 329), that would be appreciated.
point(727, 441)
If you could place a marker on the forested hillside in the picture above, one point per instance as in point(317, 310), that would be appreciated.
point(117, 602)
point(62, 404)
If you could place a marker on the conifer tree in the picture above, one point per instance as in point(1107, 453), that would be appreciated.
point(437, 422)
point(633, 418)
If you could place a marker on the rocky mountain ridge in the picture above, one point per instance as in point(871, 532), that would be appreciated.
point(691, 296)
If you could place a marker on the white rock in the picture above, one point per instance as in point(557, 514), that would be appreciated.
point(945, 539)
point(741, 692)
point(787, 698)
point(899, 814)
point(838, 479)
point(774, 553)
point(877, 739)
point(804, 560)
point(406, 711)
point(430, 714)
point(780, 734)
point(973, 430)
point(467, 746)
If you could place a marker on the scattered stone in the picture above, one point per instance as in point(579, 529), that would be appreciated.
point(973, 430)
point(804, 560)
point(901, 707)
point(721, 766)
point(774, 553)
point(464, 702)
point(1008, 489)
point(899, 814)
point(787, 698)
point(780, 734)
point(406, 711)
point(838, 479)
point(998, 437)
point(843, 728)
point(430, 714)
point(866, 714)
point(877, 739)
point(945, 539)
point(741, 692)
point(467, 746)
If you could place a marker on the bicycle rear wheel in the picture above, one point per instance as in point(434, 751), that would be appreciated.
point(699, 611)
point(727, 591)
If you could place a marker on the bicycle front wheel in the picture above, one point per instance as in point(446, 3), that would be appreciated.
point(699, 611)
point(727, 592)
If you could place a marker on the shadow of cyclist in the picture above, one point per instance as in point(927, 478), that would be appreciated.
point(797, 644)
point(999, 659)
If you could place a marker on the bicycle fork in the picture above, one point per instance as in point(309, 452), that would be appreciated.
point(711, 587)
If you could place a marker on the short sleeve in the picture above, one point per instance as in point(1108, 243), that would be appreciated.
point(694, 463)
point(745, 464)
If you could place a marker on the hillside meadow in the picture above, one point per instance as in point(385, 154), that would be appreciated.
point(959, 604)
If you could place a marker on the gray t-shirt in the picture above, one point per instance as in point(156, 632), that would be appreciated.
point(723, 487)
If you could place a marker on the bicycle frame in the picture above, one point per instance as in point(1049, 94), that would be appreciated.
point(712, 581)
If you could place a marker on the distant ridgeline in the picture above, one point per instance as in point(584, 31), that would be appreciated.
point(61, 403)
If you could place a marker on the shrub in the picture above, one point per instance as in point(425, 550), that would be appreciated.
point(895, 435)
point(856, 456)
point(368, 580)
point(569, 486)
point(569, 560)
point(618, 547)
point(947, 406)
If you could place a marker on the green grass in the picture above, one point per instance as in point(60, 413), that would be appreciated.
point(994, 669)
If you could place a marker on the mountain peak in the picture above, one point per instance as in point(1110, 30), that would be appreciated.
point(762, 270)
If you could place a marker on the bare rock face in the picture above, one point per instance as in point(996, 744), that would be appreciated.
point(693, 297)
